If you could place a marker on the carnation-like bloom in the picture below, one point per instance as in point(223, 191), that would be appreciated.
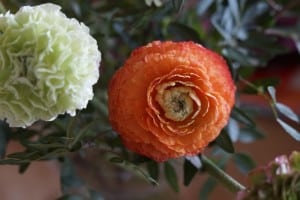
point(170, 99)
point(48, 65)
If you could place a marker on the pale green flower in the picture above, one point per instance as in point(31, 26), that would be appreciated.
point(48, 65)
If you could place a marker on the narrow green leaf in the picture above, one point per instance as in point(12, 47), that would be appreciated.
point(207, 188)
point(254, 11)
point(182, 32)
point(13, 162)
point(224, 142)
point(195, 160)
point(233, 129)
point(153, 169)
point(18, 155)
point(234, 8)
point(203, 6)
point(4, 132)
point(272, 92)
point(241, 55)
point(189, 171)
point(227, 36)
point(133, 168)
point(41, 146)
point(81, 134)
point(171, 176)
point(286, 111)
point(248, 135)
point(290, 130)
point(242, 117)
point(23, 167)
point(244, 162)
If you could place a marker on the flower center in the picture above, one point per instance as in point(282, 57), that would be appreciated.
point(176, 101)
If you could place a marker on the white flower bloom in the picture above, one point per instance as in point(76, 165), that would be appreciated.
point(48, 65)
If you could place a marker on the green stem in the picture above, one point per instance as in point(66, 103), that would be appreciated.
point(220, 175)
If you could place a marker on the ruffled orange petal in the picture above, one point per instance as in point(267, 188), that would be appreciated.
point(170, 99)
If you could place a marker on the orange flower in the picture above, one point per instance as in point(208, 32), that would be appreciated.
point(170, 99)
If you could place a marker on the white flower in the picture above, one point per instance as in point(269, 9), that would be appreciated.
point(48, 65)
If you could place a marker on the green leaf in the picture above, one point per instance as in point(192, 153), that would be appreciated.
point(224, 33)
point(272, 93)
point(254, 11)
point(241, 55)
point(171, 176)
point(207, 188)
point(242, 117)
point(182, 32)
point(189, 171)
point(13, 161)
point(41, 146)
point(4, 132)
point(203, 6)
point(291, 32)
point(153, 169)
point(23, 167)
point(248, 135)
point(133, 168)
point(290, 130)
point(244, 162)
point(224, 142)
point(286, 111)
point(195, 160)
point(234, 8)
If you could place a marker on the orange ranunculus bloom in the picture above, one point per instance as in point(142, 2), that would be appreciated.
point(170, 99)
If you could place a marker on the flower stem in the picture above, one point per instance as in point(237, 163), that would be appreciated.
point(213, 170)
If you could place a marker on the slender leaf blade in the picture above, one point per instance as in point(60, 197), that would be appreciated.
point(207, 188)
point(272, 92)
point(242, 117)
point(195, 160)
point(234, 8)
point(287, 111)
point(189, 171)
point(244, 162)
point(153, 169)
point(171, 176)
point(224, 142)
point(290, 130)
point(248, 135)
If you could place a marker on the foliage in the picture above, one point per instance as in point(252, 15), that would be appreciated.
point(248, 33)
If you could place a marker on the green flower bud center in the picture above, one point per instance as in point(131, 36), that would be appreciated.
point(177, 102)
